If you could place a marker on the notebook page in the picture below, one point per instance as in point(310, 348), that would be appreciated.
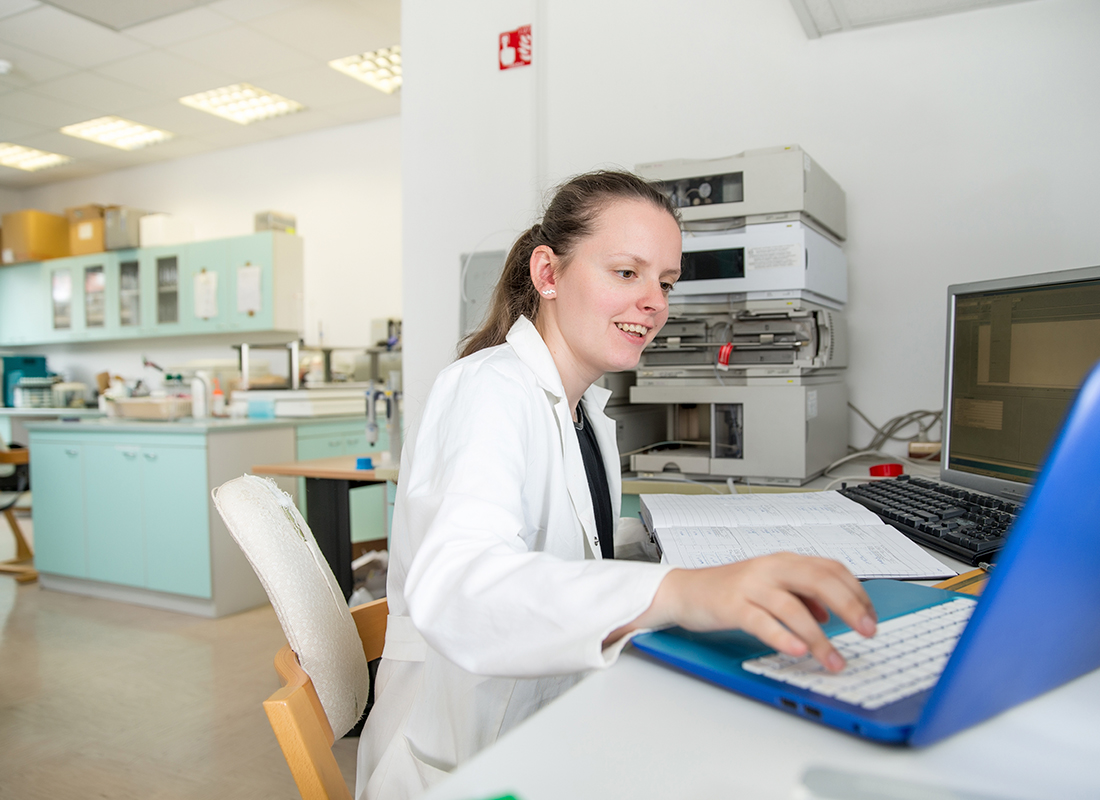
point(868, 551)
point(740, 510)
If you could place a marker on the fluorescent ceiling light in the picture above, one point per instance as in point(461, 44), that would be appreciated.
point(380, 69)
point(28, 159)
point(242, 103)
point(117, 132)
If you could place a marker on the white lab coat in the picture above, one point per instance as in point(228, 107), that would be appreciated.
point(498, 598)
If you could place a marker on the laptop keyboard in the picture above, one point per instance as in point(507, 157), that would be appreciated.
point(965, 525)
point(905, 656)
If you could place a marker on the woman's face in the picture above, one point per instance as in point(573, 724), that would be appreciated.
point(612, 298)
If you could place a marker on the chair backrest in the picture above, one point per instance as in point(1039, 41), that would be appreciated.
point(299, 721)
point(312, 610)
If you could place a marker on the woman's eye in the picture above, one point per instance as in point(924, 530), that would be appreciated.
point(668, 287)
point(626, 273)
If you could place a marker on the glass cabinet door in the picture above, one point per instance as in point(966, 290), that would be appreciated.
point(129, 294)
point(61, 295)
point(168, 289)
point(95, 297)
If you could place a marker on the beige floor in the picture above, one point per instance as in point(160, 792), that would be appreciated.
point(107, 700)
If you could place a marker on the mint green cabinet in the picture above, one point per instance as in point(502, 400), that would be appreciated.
point(113, 504)
point(173, 511)
point(244, 283)
point(23, 295)
point(126, 509)
point(369, 504)
point(57, 475)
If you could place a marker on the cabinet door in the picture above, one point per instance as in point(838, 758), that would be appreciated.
point(58, 509)
point(203, 290)
point(113, 492)
point(250, 276)
point(65, 300)
point(22, 312)
point(161, 281)
point(174, 510)
point(125, 307)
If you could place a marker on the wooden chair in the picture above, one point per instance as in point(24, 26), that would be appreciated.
point(299, 721)
point(22, 566)
point(325, 665)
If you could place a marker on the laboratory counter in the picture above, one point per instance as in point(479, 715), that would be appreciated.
point(122, 507)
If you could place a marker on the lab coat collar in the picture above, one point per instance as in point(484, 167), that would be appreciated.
point(528, 344)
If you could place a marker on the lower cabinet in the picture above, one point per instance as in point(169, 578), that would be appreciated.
point(131, 513)
point(370, 505)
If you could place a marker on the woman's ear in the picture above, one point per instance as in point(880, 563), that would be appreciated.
point(543, 262)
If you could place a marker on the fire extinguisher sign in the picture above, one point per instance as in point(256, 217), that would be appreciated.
point(515, 48)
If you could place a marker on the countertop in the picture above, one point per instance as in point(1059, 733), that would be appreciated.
point(184, 425)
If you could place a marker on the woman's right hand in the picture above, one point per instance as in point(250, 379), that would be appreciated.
point(780, 599)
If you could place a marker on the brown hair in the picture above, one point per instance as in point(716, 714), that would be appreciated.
point(568, 218)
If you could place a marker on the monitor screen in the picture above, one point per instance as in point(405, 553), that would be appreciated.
point(1017, 351)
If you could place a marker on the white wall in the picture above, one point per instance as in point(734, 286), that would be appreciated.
point(343, 185)
point(966, 145)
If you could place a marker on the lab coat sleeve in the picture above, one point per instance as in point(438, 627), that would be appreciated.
point(479, 589)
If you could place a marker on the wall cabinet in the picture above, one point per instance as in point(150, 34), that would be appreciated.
point(242, 284)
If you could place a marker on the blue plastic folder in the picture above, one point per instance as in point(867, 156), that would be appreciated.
point(1036, 626)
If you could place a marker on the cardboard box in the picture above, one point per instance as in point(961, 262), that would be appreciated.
point(122, 227)
point(85, 229)
point(165, 229)
point(275, 221)
point(31, 235)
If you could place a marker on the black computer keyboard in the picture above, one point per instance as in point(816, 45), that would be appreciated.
point(965, 525)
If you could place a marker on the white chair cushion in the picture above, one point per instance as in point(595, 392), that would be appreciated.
point(311, 608)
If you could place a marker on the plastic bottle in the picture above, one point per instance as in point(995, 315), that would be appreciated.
point(217, 406)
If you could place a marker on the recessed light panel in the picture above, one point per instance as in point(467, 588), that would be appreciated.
point(28, 159)
point(117, 132)
point(242, 103)
point(380, 68)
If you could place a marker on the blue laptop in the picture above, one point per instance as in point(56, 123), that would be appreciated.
point(942, 661)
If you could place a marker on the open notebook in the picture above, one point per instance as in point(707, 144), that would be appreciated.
point(707, 530)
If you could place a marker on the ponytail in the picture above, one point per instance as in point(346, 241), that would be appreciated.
point(568, 219)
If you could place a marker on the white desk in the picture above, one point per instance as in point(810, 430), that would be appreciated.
point(640, 730)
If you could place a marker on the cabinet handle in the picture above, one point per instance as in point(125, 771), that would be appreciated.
point(71, 452)
point(150, 456)
point(352, 440)
point(129, 453)
point(334, 443)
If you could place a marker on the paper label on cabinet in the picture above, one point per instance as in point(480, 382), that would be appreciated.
point(206, 295)
point(775, 255)
point(249, 296)
point(84, 231)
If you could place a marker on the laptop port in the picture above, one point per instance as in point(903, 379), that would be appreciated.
point(791, 704)
point(812, 712)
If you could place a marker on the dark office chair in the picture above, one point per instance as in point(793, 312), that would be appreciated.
point(12, 488)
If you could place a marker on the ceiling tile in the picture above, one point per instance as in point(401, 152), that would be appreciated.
point(37, 109)
point(245, 10)
point(180, 27)
point(179, 119)
point(316, 87)
point(65, 37)
point(328, 29)
point(105, 95)
point(242, 52)
point(369, 107)
point(122, 14)
point(29, 68)
point(167, 74)
point(387, 11)
point(53, 141)
point(10, 8)
point(11, 130)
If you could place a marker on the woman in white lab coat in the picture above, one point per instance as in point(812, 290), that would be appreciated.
point(503, 587)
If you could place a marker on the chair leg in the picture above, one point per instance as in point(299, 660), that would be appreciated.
point(22, 566)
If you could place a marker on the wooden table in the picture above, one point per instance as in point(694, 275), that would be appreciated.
point(329, 482)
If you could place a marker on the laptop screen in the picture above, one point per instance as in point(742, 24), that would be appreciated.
point(1017, 351)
